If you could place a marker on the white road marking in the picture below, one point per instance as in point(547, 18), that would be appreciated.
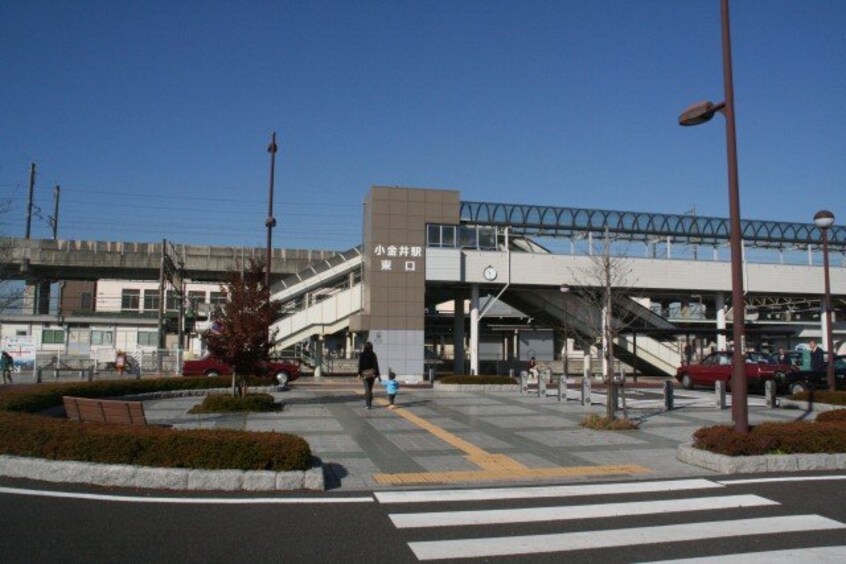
point(779, 479)
point(795, 556)
point(195, 500)
point(562, 542)
point(567, 513)
point(534, 492)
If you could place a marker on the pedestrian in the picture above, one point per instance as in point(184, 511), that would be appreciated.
point(688, 353)
point(783, 357)
point(368, 371)
point(817, 355)
point(532, 368)
point(391, 387)
point(6, 364)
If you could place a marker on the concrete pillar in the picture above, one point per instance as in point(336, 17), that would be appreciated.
point(720, 306)
point(720, 393)
point(318, 357)
point(348, 345)
point(474, 329)
point(515, 348)
point(458, 338)
point(824, 341)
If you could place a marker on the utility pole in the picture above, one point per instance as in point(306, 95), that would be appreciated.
point(270, 222)
point(29, 204)
point(54, 220)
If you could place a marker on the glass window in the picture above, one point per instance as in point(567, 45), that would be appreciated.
point(53, 336)
point(172, 300)
point(86, 301)
point(148, 338)
point(130, 300)
point(468, 237)
point(448, 234)
point(196, 297)
point(101, 337)
point(434, 235)
point(217, 298)
point(487, 238)
point(151, 300)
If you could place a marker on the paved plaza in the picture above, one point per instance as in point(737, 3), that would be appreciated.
point(443, 437)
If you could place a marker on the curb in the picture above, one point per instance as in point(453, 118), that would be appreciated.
point(756, 464)
point(188, 479)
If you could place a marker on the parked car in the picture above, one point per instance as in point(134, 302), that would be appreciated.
point(283, 372)
point(717, 366)
point(818, 379)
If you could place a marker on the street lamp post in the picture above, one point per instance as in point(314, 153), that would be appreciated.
point(694, 115)
point(824, 219)
point(270, 222)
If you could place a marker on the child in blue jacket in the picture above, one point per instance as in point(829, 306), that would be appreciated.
point(391, 387)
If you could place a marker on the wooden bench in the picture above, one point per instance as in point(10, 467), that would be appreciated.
point(105, 411)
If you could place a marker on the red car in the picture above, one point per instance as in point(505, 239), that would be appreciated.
point(284, 372)
point(717, 366)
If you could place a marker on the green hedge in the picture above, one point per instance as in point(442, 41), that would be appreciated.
point(23, 433)
point(832, 398)
point(219, 403)
point(806, 437)
point(477, 380)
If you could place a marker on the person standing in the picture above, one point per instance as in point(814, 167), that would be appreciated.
point(368, 371)
point(532, 368)
point(817, 355)
point(783, 357)
point(391, 388)
point(6, 364)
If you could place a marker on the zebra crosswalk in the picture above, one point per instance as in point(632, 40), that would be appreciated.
point(567, 524)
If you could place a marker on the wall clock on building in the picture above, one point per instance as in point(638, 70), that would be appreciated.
point(490, 273)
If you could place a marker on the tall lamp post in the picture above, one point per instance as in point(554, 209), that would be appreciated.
point(824, 219)
point(696, 114)
point(270, 222)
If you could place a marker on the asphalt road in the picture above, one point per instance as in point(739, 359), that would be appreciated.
point(579, 522)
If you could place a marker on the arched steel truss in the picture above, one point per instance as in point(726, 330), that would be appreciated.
point(573, 222)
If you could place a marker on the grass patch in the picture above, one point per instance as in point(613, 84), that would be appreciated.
point(219, 403)
point(600, 423)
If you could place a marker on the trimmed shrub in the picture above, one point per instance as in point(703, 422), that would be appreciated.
point(477, 380)
point(786, 438)
point(61, 439)
point(23, 433)
point(219, 403)
point(601, 423)
point(833, 398)
point(836, 415)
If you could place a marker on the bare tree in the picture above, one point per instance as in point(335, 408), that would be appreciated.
point(599, 285)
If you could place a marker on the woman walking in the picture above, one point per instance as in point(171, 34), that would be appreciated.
point(368, 371)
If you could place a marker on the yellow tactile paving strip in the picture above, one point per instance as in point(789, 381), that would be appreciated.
point(493, 466)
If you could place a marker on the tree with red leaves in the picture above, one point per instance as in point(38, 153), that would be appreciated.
point(241, 336)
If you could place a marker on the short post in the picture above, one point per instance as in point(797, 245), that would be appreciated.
point(511, 373)
point(431, 373)
point(562, 386)
point(541, 384)
point(586, 391)
point(668, 395)
point(90, 373)
point(524, 383)
point(770, 393)
point(720, 391)
point(56, 374)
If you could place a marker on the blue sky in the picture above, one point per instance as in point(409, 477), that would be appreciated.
point(154, 116)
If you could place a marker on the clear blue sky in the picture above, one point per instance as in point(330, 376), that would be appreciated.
point(154, 116)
